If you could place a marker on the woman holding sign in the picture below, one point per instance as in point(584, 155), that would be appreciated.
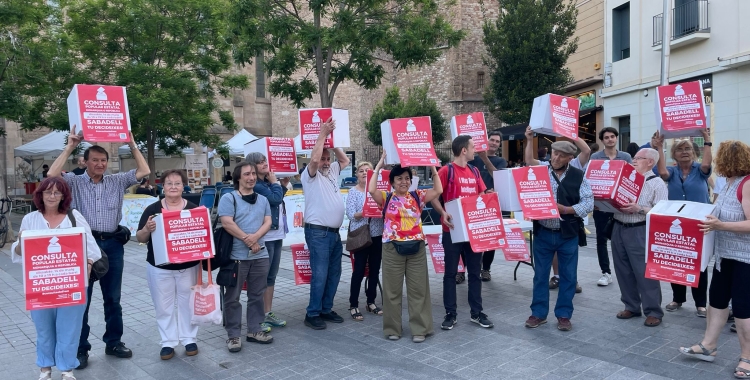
point(170, 282)
point(404, 252)
point(687, 181)
point(368, 257)
point(274, 190)
point(731, 275)
point(56, 346)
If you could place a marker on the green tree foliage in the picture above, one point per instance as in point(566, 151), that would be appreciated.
point(417, 103)
point(172, 55)
point(337, 41)
point(528, 47)
point(36, 71)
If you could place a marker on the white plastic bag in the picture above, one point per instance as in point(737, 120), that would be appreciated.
point(204, 301)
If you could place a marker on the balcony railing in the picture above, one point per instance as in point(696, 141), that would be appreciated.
point(686, 19)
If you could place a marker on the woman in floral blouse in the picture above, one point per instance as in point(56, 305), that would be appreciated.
point(404, 252)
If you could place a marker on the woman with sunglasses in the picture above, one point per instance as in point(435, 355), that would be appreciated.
point(56, 346)
point(172, 282)
point(246, 215)
point(687, 181)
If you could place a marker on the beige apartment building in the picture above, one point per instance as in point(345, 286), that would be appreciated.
point(710, 42)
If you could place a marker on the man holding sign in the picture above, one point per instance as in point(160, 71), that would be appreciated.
point(99, 198)
point(460, 179)
point(324, 214)
point(574, 201)
point(629, 246)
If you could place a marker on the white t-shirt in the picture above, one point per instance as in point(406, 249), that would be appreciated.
point(323, 203)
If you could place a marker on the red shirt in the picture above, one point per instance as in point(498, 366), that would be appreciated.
point(465, 183)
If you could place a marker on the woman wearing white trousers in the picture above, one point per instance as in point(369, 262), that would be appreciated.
point(170, 284)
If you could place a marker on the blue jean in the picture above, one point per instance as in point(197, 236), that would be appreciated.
point(56, 333)
point(111, 285)
point(274, 258)
point(325, 263)
point(546, 243)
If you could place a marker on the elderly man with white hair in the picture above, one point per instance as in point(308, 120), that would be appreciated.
point(639, 294)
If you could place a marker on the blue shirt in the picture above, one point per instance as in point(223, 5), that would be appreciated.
point(694, 188)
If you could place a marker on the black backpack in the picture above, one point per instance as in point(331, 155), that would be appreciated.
point(223, 242)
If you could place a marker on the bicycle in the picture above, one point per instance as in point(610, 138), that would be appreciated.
point(5, 205)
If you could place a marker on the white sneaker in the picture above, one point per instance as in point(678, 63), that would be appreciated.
point(605, 280)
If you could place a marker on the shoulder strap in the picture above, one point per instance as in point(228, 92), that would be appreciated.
point(234, 203)
point(415, 195)
point(739, 188)
point(71, 217)
point(650, 178)
point(385, 204)
point(476, 174)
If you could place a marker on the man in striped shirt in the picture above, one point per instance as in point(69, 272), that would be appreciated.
point(99, 198)
point(629, 245)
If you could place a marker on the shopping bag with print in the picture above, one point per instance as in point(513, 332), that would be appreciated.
point(204, 301)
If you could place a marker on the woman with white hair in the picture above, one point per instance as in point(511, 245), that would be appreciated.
point(687, 181)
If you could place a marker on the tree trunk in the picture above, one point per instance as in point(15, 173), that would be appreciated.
point(150, 157)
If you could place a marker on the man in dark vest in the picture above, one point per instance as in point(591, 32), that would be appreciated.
point(574, 200)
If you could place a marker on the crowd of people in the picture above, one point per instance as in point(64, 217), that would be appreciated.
point(255, 216)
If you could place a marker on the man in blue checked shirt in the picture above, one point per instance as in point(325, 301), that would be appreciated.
point(99, 198)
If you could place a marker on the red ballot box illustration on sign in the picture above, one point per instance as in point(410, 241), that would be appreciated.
point(555, 115)
point(279, 151)
point(681, 109)
point(310, 120)
point(534, 191)
point(182, 236)
point(437, 253)
point(471, 124)
point(615, 184)
point(408, 141)
point(100, 113)
point(677, 250)
point(371, 209)
point(55, 268)
point(301, 261)
point(515, 248)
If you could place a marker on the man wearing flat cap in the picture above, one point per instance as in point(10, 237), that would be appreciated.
point(574, 200)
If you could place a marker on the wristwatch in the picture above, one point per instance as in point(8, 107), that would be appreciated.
point(642, 211)
point(708, 143)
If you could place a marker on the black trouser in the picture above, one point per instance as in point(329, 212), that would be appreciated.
point(472, 263)
point(600, 222)
point(371, 256)
point(679, 292)
point(487, 258)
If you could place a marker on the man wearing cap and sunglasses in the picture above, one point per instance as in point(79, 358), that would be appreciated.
point(574, 200)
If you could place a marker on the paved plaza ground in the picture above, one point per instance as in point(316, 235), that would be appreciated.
point(599, 347)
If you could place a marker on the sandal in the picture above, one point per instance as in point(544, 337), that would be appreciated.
point(372, 308)
point(745, 373)
point(705, 354)
point(356, 315)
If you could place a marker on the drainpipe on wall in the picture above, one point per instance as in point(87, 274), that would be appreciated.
point(665, 39)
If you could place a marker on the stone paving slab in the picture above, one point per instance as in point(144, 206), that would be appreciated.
point(599, 347)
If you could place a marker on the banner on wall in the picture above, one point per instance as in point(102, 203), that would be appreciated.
point(197, 170)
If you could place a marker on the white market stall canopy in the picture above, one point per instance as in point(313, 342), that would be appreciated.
point(47, 147)
point(237, 142)
point(125, 150)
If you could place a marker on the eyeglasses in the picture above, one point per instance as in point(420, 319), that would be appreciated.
point(179, 185)
point(50, 194)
